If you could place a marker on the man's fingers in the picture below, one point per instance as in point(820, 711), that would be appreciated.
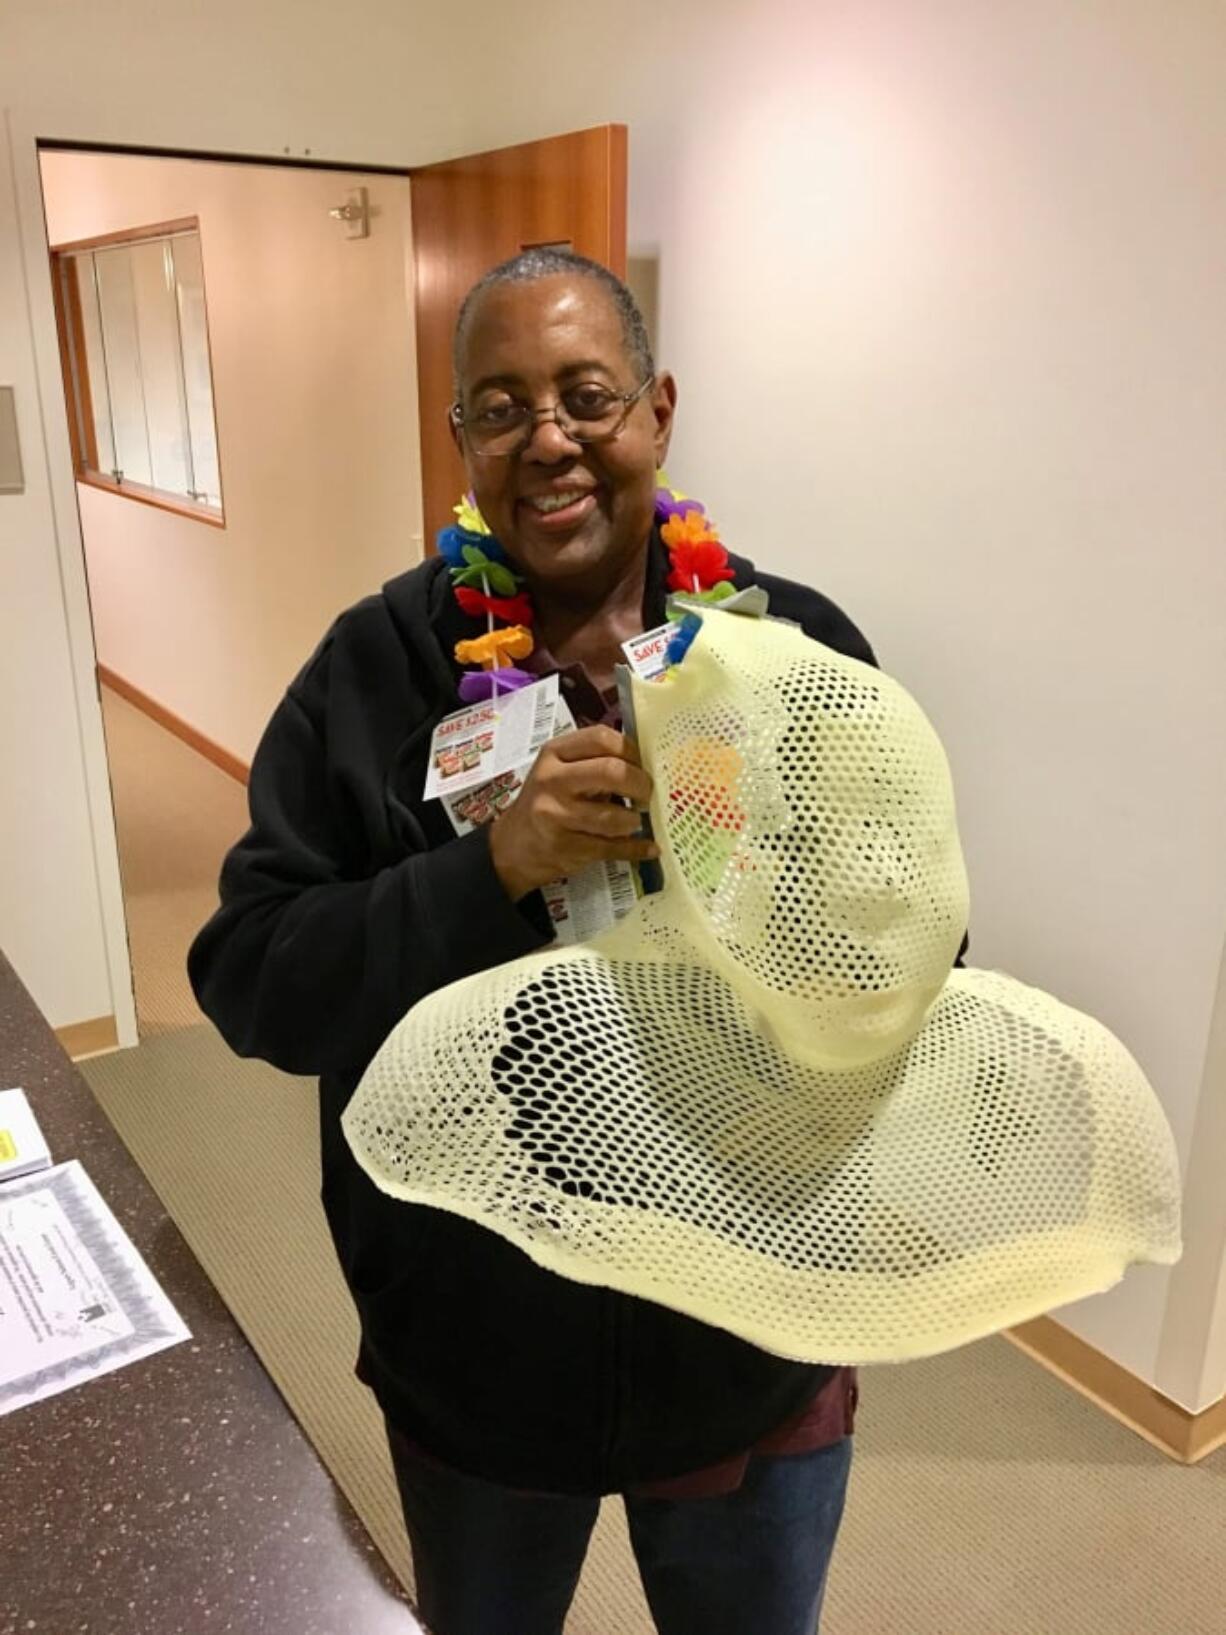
point(593, 743)
point(604, 818)
point(614, 822)
point(599, 778)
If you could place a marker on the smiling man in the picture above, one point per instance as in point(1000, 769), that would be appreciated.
point(515, 1398)
point(578, 528)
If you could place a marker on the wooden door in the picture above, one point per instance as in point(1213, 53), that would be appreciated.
point(471, 213)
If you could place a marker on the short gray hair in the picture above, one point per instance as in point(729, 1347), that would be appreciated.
point(548, 262)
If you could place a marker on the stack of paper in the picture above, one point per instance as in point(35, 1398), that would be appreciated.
point(22, 1148)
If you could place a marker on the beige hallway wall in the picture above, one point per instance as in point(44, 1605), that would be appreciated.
point(314, 381)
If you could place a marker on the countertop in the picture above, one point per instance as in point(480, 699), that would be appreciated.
point(175, 1496)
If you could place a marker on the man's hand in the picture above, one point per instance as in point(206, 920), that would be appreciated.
point(566, 817)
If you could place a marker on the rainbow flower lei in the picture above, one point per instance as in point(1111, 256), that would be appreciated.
point(486, 584)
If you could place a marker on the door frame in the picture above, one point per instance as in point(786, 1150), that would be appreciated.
point(29, 131)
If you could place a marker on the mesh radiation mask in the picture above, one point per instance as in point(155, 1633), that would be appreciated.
point(764, 1098)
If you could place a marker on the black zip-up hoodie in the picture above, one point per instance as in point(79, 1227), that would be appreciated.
point(349, 899)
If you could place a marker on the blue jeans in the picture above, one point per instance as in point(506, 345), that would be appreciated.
point(492, 1561)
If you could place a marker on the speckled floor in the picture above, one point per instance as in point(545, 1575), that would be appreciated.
point(987, 1498)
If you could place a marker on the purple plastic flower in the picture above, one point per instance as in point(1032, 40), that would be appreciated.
point(478, 685)
point(667, 506)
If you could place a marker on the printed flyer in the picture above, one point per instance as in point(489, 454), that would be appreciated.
point(76, 1299)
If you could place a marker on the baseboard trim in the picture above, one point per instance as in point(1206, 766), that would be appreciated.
point(1183, 1435)
point(174, 723)
point(80, 1039)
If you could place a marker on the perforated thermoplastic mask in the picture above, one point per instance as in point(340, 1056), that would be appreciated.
point(764, 1098)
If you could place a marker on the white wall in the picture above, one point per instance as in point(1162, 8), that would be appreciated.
point(1192, 1356)
point(314, 382)
point(942, 287)
point(981, 275)
point(51, 892)
point(1213, 1374)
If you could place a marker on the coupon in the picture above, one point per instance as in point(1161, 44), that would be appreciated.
point(581, 905)
point(645, 653)
point(470, 807)
point(590, 901)
point(476, 744)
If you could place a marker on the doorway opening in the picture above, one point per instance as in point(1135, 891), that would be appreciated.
point(238, 354)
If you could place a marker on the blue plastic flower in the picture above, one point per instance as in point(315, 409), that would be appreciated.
point(680, 644)
point(453, 541)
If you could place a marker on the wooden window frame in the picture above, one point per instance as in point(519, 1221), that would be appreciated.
point(74, 365)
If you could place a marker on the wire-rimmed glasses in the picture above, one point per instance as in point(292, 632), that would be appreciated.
point(587, 413)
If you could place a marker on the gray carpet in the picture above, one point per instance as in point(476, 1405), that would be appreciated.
point(986, 1498)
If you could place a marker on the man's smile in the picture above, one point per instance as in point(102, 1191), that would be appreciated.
point(558, 509)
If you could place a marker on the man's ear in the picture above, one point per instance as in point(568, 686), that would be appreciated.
point(664, 407)
point(457, 436)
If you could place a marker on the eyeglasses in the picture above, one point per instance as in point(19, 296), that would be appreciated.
point(585, 414)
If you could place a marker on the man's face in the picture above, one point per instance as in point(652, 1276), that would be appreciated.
point(530, 343)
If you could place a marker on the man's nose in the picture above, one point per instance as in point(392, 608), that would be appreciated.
point(548, 443)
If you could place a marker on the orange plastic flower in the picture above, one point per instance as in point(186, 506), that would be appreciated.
point(496, 648)
point(690, 528)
